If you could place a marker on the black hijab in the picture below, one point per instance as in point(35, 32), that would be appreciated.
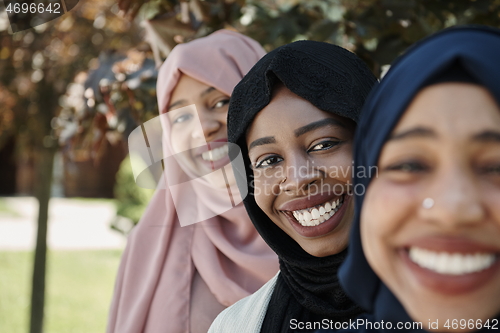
point(470, 54)
point(334, 80)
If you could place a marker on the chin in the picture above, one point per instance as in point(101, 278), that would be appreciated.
point(448, 311)
point(217, 182)
point(216, 178)
point(322, 253)
point(324, 248)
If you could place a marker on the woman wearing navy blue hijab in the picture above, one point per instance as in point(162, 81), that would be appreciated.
point(425, 243)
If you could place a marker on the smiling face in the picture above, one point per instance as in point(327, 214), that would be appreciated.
point(302, 158)
point(199, 134)
point(441, 260)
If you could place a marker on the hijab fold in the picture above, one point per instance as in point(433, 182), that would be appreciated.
point(153, 288)
point(469, 54)
point(334, 80)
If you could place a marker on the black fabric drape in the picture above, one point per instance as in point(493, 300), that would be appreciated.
point(308, 297)
point(334, 80)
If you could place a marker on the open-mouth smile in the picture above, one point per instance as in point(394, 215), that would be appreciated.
point(312, 219)
point(215, 154)
point(318, 214)
point(451, 265)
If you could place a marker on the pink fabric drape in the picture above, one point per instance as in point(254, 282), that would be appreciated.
point(152, 290)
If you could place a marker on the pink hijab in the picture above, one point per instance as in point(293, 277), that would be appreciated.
point(153, 288)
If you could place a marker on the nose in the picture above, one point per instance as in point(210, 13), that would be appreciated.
point(300, 175)
point(208, 125)
point(457, 199)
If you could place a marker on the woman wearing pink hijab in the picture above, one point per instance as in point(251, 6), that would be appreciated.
point(177, 275)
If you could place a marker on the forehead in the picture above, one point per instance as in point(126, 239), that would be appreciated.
point(285, 113)
point(454, 108)
point(187, 86)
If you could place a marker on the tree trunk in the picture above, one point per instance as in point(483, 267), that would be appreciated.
point(45, 165)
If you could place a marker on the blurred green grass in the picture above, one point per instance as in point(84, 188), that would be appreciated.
point(79, 287)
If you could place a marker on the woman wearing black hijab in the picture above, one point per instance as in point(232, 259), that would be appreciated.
point(425, 244)
point(293, 116)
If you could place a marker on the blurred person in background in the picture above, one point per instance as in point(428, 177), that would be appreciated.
point(174, 278)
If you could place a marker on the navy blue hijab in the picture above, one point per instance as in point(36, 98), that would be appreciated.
point(473, 49)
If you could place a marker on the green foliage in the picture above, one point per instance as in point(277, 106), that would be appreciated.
point(380, 30)
point(155, 7)
point(132, 200)
point(377, 30)
point(37, 65)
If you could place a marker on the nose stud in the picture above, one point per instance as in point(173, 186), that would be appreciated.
point(428, 203)
point(284, 180)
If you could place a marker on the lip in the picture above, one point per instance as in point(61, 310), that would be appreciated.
point(446, 283)
point(211, 165)
point(321, 229)
point(210, 145)
point(307, 202)
point(449, 244)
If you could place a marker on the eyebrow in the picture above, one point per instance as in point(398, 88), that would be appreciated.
point(180, 102)
point(417, 132)
point(183, 101)
point(262, 141)
point(298, 132)
point(207, 91)
point(317, 124)
point(487, 136)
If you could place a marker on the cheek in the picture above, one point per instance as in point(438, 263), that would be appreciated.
point(492, 198)
point(339, 166)
point(372, 223)
point(265, 190)
point(179, 140)
point(222, 115)
point(384, 213)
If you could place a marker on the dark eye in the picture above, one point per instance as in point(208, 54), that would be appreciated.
point(221, 103)
point(325, 145)
point(410, 166)
point(268, 161)
point(182, 118)
point(491, 169)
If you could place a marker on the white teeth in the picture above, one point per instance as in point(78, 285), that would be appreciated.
point(452, 264)
point(215, 154)
point(307, 218)
point(316, 215)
